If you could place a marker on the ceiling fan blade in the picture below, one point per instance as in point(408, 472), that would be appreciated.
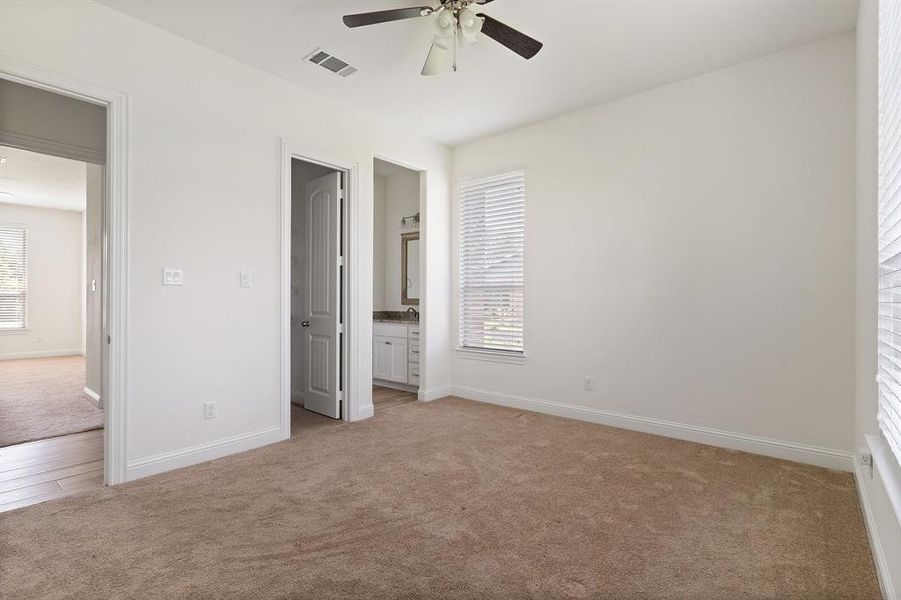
point(436, 61)
point(383, 16)
point(509, 37)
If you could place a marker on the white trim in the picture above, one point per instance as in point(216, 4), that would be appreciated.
point(434, 393)
point(365, 412)
point(116, 257)
point(199, 453)
point(34, 143)
point(883, 573)
point(354, 392)
point(93, 396)
point(803, 453)
point(513, 358)
point(40, 354)
point(16, 330)
point(886, 464)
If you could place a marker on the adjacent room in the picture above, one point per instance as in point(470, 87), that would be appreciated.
point(450, 299)
point(396, 279)
point(51, 418)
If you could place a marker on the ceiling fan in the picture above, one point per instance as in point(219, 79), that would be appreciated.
point(456, 22)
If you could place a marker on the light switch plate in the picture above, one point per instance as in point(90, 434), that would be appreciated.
point(246, 279)
point(173, 277)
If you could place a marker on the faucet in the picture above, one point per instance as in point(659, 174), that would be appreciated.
point(414, 314)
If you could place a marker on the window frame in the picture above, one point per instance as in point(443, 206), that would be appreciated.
point(475, 353)
point(26, 234)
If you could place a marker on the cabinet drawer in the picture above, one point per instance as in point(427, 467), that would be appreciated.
point(389, 330)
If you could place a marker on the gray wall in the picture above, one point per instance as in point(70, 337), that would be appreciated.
point(93, 273)
point(41, 121)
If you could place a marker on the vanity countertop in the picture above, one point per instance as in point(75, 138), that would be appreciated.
point(396, 321)
point(395, 316)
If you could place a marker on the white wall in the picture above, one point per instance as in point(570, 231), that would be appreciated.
point(204, 196)
point(401, 199)
point(54, 283)
point(692, 248)
point(883, 526)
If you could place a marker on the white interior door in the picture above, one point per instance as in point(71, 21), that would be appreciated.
point(320, 327)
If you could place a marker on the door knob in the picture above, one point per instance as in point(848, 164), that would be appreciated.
point(304, 323)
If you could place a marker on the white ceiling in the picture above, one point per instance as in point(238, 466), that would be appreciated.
point(594, 51)
point(41, 180)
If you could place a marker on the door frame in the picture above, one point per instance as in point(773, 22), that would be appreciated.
point(351, 354)
point(423, 261)
point(115, 247)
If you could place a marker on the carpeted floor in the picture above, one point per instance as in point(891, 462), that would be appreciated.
point(43, 398)
point(453, 499)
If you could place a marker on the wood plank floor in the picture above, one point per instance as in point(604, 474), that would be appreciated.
point(37, 471)
point(383, 397)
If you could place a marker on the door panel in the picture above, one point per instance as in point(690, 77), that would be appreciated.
point(321, 296)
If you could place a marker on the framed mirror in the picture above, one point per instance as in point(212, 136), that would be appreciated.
point(409, 268)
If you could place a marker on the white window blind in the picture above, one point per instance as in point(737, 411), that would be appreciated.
point(13, 278)
point(889, 415)
point(492, 241)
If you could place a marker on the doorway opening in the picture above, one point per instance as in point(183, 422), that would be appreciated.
point(51, 326)
point(397, 283)
point(317, 291)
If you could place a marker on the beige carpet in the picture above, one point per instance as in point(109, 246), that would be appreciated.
point(43, 398)
point(453, 499)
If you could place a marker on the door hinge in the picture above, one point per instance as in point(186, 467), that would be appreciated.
point(340, 261)
point(340, 327)
point(109, 340)
point(340, 396)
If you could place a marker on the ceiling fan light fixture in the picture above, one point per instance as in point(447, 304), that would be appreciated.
point(453, 19)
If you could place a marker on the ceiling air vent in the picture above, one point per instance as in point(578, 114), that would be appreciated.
point(327, 61)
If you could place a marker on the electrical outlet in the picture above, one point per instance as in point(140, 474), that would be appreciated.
point(209, 410)
point(246, 279)
point(173, 277)
point(589, 384)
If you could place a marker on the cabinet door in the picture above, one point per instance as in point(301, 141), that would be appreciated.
point(399, 360)
point(389, 359)
point(381, 358)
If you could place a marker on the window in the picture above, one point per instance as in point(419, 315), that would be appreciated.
point(12, 277)
point(492, 241)
point(889, 357)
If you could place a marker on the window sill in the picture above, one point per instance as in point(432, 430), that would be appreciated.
point(14, 331)
point(491, 356)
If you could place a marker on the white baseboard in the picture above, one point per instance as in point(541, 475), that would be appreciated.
point(803, 453)
point(434, 393)
point(199, 453)
point(93, 397)
point(872, 527)
point(297, 398)
point(40, 354)
point(364, 412)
